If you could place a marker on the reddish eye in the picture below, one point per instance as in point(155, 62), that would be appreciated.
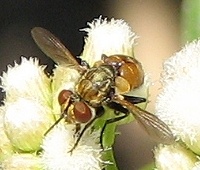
point(82, 112)
point(63, 96)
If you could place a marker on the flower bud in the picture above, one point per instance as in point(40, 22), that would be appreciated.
point(6, 148)
point(27, 110)
point(22, 162)
point(107, 37)
point(28, 80)
point(174, 157)
point(25, 123)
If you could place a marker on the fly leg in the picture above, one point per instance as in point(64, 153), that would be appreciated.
point(77, 129)
point(99, 112)
point(109, 121)
point(118, 108)
point(63, 115)
point(56, 122)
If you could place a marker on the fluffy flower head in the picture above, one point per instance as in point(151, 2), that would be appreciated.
point(86, 156)
point(178, 103)
point(108, 37)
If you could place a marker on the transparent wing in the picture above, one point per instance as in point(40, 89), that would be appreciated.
point(155, 127)
point(52, 47)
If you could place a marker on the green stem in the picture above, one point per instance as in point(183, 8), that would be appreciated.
point(109, 136)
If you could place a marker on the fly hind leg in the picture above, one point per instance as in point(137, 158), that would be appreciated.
point(118, 108)
point(109, 121)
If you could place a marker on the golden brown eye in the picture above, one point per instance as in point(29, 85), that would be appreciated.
point(82, 112)
point(63, 96)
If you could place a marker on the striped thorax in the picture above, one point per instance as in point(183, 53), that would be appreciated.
point(95, 85)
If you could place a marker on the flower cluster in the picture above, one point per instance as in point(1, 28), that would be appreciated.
point(31, 107)
point(178, 106)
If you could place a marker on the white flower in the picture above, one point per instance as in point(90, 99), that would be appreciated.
point(28, 80)
point(27, 106)
point(174, 157)
point(108, 37)
point(178, 103)
point(58, 143)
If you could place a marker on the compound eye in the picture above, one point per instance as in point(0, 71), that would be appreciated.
point(82, 112)
point(63, 96)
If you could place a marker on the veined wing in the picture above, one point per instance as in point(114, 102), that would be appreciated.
point(155, 127)
point(52, 47)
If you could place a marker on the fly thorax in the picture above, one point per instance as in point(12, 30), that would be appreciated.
point(95, 85)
